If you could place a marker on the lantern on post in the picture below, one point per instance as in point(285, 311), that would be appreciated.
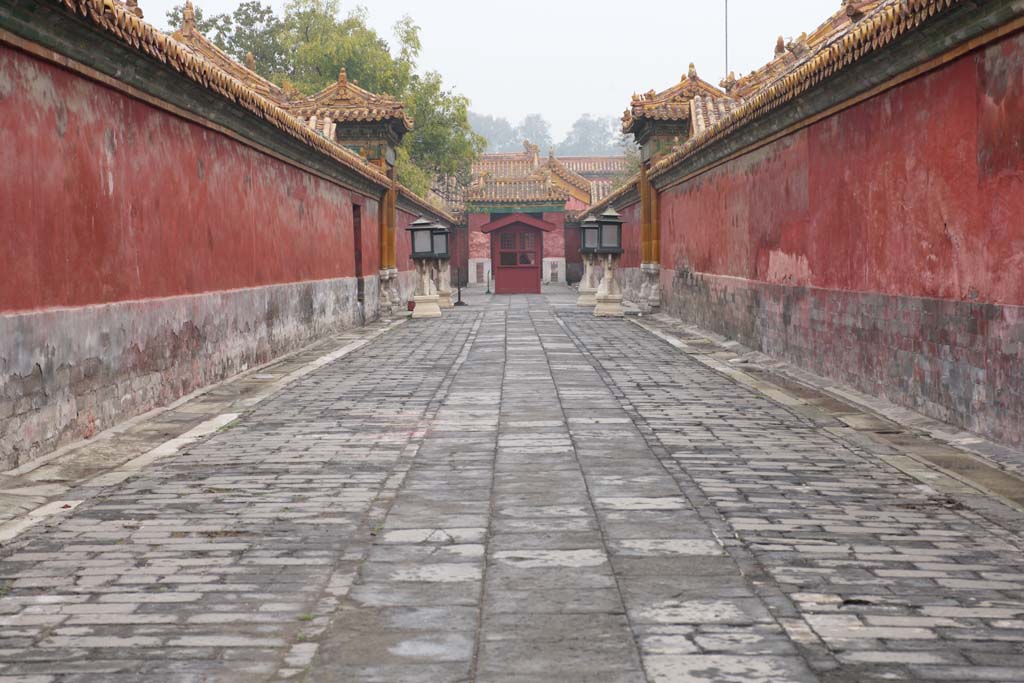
point(590, 239)
point(610, 224)
point(421, 233)
point(609, 249)
point(440, 235)
point(421, 236)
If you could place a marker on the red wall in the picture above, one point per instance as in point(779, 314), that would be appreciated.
point(632, 242)
point(479, 243)
point(554, 241)
point(126, 201)
point(403, 244)
point(918, 192)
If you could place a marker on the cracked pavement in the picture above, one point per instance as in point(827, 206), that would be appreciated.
point(516, 492)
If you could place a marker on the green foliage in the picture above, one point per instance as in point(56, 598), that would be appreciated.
point(251, 28)
point(591, 136)
point(309, 45)
point(442, 141)
point(499, 133)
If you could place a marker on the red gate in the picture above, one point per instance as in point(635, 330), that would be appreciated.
point(518, 252)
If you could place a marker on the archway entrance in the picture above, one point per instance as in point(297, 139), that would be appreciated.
point(517, 252)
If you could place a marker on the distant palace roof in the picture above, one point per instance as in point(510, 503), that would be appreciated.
point(672, 104)
point(526, 177)
point(343, 100)
point(201, 46)
point(528, 190)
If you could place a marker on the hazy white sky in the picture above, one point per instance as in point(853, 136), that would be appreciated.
point(563, 58)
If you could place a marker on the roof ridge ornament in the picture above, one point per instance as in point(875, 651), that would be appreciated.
point(692, 72)
point(188, 19)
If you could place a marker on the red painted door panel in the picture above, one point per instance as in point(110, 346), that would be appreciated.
point(517, 252)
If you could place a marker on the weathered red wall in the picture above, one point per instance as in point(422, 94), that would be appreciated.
point(914, 195)
point(632, 243)
point(144, 256)
point(554, 241)
point(124, 201)
point(479, 243)
point(919, 191)
point(403, 244)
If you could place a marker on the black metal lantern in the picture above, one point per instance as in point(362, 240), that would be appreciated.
point(440, 237)
point(421, 234)
point(610, 224)
point(590, 238)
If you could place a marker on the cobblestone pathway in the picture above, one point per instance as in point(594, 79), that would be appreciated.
point(517, 492)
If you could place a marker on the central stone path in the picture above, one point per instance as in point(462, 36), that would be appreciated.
point(516, 492)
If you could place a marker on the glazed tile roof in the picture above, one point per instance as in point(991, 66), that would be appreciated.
point(509, 164)
point(858, 29)
point(123, 24)
point(345, 101)
point(529, 190)
point(599, 189)
point(672, 104)
point(189, 36)
point(502, 175)
point(596, 167)
point(793, 53)
point(706, 112)
point(570, 177)
point(342, 101)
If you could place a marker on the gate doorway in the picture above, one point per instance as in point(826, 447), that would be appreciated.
point(517, 253)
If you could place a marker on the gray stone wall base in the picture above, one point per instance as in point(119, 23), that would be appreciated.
point(66, 374)
point(955, 361)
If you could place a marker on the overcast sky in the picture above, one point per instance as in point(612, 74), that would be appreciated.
point(563, 58)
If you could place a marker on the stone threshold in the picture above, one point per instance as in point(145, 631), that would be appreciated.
point(950, 461)
point(33, 492)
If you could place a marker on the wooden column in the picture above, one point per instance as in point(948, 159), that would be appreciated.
point(388, 219)
point(647, 218)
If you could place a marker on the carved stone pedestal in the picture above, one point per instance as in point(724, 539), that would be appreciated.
point(588, 286)
point(650, 289)
point(609, 293)
point(426, 294)
point(444, 284)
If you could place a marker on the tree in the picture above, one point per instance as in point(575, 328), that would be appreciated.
point(499, 133)
point(309, 45)
point(535, 129)
point(442, 142)
point(251, 28)
point(591, 136)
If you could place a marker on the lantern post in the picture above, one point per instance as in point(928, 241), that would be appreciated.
point(589, 240)
point(422, 237)
point(609, 250)
point(441, 236)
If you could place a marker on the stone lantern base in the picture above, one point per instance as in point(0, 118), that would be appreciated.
point(587, 286)
point(426, 293)
point(609, 294)
point(444, 285)
point(426, 307)
point(609, 306)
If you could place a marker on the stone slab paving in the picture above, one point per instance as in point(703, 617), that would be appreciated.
point(515, 492)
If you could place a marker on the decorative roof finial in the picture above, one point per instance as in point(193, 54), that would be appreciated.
point(188, 19)
point(343, 77)
point(692, 73)
point(729, 82)
point(133, 7)
point(780, 46)
point(250, 61)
